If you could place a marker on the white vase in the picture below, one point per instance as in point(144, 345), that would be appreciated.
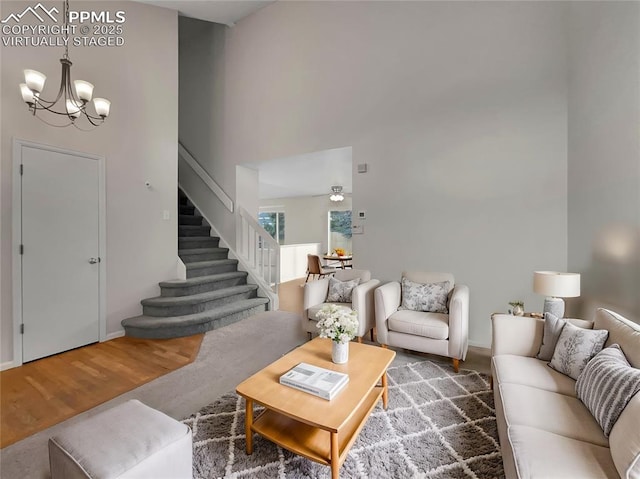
point(339, 352)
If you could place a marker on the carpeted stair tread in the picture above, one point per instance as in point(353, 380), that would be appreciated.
point(190, 242)
point(193, 230)
point(186, 325)
point(202, 250)
point(198, 298)
point(207, 264)
point(180, 283)
point(184, 220)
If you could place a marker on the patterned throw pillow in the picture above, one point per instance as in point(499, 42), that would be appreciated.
point(606, 385)
point(341, 291)
point(576, 346)
point(429, 297)
point(553, 326)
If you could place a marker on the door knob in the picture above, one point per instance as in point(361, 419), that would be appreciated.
point(94, 260)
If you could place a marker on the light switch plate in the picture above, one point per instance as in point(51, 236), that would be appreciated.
point(362, 215)
point(362, 167)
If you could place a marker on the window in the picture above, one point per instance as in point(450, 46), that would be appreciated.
point(273, 222)
point(340, 230)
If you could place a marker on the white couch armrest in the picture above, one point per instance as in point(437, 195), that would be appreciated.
point(315, 293)
point(363, 302)
point(387, 300)
point(459, 322)
point(519, 335)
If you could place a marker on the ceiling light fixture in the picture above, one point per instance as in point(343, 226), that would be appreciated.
point(336, 193)
point(74, 102)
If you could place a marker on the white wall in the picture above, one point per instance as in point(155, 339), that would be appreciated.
point(604, 154)
point(458, 108)
point(139, 142)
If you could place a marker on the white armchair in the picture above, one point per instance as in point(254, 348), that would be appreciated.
point(315, 297)
point(444, 334)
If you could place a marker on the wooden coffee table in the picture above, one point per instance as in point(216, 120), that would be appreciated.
point(304, 424)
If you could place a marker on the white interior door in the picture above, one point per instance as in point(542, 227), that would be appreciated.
point(60, 260)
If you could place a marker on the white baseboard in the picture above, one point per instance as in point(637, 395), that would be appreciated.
point(117, 334)
point(477, 344)
point(7, 365)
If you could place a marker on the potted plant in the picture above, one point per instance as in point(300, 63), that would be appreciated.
point(518, 308)
point(339, 324)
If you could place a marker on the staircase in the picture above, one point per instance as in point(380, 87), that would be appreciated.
point(215, 294)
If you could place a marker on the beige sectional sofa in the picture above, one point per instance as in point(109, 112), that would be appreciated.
point(545, 430)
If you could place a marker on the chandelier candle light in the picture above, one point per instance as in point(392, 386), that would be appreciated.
point(556, 286)
point(75, 102)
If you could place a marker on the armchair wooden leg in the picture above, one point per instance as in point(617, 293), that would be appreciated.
point(360, 339)
point(310, 336)
point(384, 346)
point(308, 278)
point(456, 364)
point(371, 333)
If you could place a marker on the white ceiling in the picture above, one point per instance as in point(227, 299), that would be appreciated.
point(310, 174)
point(227, 12)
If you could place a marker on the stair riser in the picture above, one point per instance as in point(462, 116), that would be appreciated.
point(196, 242)
point(194, 258)
point(187, 210)
point(178, 332)
point(181, 310)
point(190, 220)
point(209, 270)
point(202, 288)
point(201, 231)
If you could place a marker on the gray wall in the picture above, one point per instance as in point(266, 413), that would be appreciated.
point(139, 142)
point(458, 108)
point(604, 154)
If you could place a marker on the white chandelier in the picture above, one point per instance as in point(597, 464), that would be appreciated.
point(74, 102)
point(336, 193)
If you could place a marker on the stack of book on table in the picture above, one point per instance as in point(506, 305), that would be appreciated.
point(320, 382)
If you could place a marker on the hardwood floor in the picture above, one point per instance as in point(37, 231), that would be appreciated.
point(45, 392)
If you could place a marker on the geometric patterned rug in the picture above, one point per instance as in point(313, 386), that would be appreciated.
point(439, 424)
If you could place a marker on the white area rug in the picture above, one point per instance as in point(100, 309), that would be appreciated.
point(439, 424)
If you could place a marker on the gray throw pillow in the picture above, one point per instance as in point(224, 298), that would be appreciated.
point(552, 328)
point(341, 291)
point(428, 297)
point(575, 347)
point(606, 385)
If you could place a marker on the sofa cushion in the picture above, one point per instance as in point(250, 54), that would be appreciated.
point(575, 347)
point(624, 440)
point(549, 411)
point(313, 310)
point(509, 368)
point(417, 323)
point(621, 331)
point(606, 385)
point(543, 454)
point(341, 291)
point(553, 326)
point(429, 297)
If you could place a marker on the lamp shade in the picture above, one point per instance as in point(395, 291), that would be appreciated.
point(556, 284)
point(84, 90)
point(102, 106)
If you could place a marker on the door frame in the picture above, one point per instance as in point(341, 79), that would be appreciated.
point(18, 144)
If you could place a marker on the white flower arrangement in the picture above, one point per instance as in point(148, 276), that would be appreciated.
point(337, 323)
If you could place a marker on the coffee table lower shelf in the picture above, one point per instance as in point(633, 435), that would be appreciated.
point(311, 441)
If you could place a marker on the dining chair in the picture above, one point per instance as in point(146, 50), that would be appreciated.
point(316, 268)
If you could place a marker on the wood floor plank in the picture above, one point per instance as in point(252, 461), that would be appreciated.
point(45, 392)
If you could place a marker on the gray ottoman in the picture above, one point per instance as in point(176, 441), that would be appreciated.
point(130, 440)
